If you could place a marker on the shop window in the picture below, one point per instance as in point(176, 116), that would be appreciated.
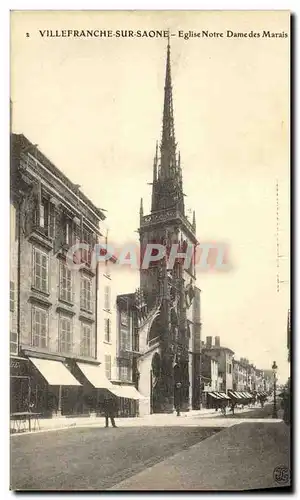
point(39, 327)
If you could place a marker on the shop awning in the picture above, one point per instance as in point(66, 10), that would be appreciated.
point(236, 395)
point(129, 391)
point(96, 376)
point(55, 372)
point(224, 396)
point(214, 395)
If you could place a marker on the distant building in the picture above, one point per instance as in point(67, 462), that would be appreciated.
point(239, 376)
point(224, 357)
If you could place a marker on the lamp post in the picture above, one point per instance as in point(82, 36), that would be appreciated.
point(274, 370)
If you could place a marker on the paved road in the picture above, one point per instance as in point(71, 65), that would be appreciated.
point(94, 458)
point(258, 412)
point(242, 457)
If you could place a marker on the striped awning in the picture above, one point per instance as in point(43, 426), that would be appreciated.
point(223, 395)
point(214, 395)
point(236, 395)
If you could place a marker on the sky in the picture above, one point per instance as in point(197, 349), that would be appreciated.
point(94, 107)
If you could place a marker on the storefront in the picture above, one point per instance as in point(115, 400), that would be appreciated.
point(19, 384)
point(128, 401)
point(53, 387)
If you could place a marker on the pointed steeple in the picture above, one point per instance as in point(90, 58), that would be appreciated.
point(155, 162)
point(167, 191)
point(168, 144)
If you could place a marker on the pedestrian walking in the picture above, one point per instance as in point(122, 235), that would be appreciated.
point(110, 410)
point(232, 406)
point(177, 398)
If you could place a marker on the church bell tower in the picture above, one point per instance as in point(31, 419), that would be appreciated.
point(169, 292)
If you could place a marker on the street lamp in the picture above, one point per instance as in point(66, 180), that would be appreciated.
point(274, 370)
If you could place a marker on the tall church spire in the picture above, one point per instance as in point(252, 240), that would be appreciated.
point(168, 144)
point(167, 180)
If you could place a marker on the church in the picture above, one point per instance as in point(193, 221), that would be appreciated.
point(162, 318)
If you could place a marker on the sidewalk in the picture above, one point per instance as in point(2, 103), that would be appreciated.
point(241, 457)
point(47, 424)
point(204, 418)
point(158, 419)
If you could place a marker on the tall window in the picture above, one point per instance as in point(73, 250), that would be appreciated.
point(43, 216)
point(86, 340)
point(40, 270)
point(65, 283)
point(86, 294)
point(46, 218)
point(108, 366)
point(107, 298)
point(65, 334)
point(124, 370)
point(87, 240)
point(39, 327)
point(125, 339)
point(13, 343)
point(107, 330)
point(12, 296)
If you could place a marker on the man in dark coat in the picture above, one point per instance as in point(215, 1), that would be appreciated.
point(110, 409)
point(177, 398)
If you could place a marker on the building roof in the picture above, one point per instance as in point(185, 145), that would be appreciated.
point(219, 348)
point(26, 144)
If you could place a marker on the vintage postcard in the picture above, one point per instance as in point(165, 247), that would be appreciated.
point(150, 311)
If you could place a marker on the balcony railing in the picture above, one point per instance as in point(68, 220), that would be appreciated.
point(166, 215)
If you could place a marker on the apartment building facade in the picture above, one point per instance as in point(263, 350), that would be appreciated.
point(53, 297)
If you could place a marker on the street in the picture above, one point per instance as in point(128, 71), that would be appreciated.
point(94, 458)
point(134, 456)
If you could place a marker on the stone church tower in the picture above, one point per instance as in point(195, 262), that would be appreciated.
point(165, 299)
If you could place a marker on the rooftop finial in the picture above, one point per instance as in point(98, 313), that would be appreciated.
point(141, 208)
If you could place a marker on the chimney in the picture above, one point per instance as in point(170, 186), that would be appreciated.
point(217, 341)
point(209, 342)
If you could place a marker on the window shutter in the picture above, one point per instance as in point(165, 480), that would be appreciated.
point(33, 325)
point(59, 231)
point(52, 220)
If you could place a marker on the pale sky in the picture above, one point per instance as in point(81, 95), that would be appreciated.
point(94, 107)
